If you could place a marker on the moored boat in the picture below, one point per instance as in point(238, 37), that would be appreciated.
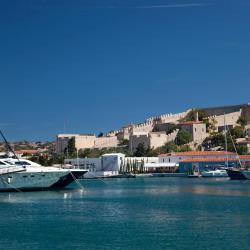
point(246, 174)
point(214, 173)
point(235, 174)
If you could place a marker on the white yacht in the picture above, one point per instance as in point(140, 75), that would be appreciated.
point(23, 175)
point(215, 173)
point(26, 175)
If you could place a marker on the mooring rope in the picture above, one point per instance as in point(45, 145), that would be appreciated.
point(77, 182)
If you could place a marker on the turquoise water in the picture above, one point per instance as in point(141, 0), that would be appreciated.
point(153, 213)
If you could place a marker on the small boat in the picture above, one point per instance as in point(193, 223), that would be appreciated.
point(236, 174)
point(214, 173)
point(246, 174)
point(195, 172)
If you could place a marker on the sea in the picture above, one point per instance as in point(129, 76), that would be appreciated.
point(131, 214)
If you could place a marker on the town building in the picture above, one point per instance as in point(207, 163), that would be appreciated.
point(197, 130)
point(110, 164)
point(181, 156)
point(208, 163)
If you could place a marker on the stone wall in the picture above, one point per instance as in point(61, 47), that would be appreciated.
point(152, 139)
point(85, 141)
point(136, 139)
point(230, 118)
point(168, 118)
point(106, 142)
point(218, 111)
point(143, 127)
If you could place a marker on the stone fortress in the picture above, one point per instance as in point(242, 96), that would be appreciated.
point(155, 131)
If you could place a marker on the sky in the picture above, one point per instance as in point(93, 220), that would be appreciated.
point(90, 66)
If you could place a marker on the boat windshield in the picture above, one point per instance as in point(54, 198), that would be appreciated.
point(9, 163)
point(22, 163)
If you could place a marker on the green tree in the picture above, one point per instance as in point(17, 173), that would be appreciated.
point(84, 153)
point(184, 148)
point(191, 116)
point(124, 142)
point(242, 121)
point(238, 132)
point(140, 150)
point(183, 137)
point(71, 146)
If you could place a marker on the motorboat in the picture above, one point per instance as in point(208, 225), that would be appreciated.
point(215, 173)
point(25, 175)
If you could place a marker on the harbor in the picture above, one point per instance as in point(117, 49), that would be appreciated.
point(153, 213)
point(125, 125)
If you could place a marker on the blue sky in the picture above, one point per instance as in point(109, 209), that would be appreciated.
point(89, 66)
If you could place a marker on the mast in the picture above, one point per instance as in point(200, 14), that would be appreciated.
point(225, 134)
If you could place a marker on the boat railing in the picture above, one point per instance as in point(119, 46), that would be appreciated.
point(8, 170)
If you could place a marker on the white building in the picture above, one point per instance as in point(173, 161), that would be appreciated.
point(104, 166)
point(179, 156)
point(110, 164)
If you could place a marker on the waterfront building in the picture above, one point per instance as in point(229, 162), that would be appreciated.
point(106, 165)
point(177, 157)
point(213, 162)
point(161, 167)
point(111, 164)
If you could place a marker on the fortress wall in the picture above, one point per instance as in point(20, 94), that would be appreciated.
point(223, 109)
point(231, 118)
point(173, 117)
point(105, 142)
point(143, 127)
point(82, 142)
point(159, 139)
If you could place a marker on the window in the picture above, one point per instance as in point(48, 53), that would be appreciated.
point(22, 163)
point(8, 162)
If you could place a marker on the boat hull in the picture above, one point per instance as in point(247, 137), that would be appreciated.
point(38, 181)
point(246, 174)
point(214, 174)
point(235, 174)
